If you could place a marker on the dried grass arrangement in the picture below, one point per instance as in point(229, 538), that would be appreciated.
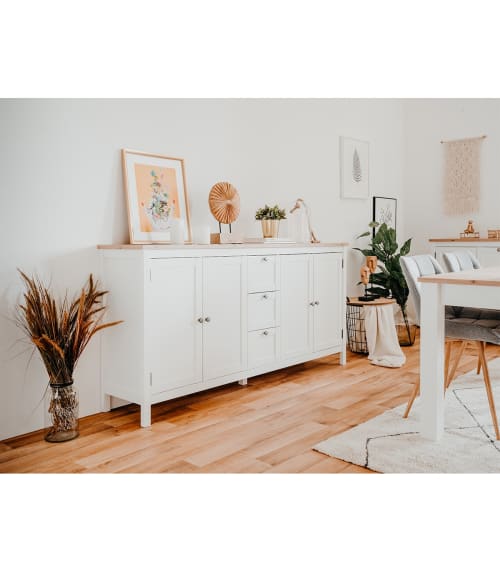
point(60, 332)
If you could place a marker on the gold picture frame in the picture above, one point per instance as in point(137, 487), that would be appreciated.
point(157, 199)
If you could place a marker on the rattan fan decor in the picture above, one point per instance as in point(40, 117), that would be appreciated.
point(224, 202)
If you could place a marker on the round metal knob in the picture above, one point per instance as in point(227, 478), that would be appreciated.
point(316, 303)
point(311, 303)
point(265, 296)
point(265, 333)
point(265, 259)
point(200, 320)
point(207, 319)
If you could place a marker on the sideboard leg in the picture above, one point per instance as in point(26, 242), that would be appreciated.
point(343, 356)
point(146, 415)
point(106, 403)
point(243, 381)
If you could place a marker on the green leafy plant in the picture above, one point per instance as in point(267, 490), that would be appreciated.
point(270, 213)
point(390, 281)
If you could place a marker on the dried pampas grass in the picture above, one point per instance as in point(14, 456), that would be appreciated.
point(61, 331)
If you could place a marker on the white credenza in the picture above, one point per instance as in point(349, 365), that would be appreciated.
point(196, 317)
point(487, 251)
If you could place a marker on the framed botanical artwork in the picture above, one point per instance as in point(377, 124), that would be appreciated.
point(354, 168)
point(384, 210)
point(155, 186)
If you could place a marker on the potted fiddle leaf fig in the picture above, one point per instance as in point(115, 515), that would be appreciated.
point(60, 330)
point(390, 282)
point(270, 219)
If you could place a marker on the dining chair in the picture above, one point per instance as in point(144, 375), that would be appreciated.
point(461, 324)
point(456, 261)
point(460, 260)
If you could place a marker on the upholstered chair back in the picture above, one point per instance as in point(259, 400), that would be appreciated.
point(415, 266)
point(460, 260)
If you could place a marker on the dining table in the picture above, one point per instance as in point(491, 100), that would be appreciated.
point(479, 288)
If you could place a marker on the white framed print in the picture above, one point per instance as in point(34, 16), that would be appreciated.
point(354, 168)
point(158, 209)
point(384, 211)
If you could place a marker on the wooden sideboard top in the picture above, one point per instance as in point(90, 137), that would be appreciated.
point(219, 246)
point(464, 239)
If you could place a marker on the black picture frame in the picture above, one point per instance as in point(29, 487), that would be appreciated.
point(384, 209)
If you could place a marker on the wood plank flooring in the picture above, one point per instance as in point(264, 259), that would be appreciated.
point(268, 426)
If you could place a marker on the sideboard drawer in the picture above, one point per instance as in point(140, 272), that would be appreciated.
point(261, 273)
point(262, 310)
point(262, 347)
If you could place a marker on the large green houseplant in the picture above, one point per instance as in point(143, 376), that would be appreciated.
point(389, 281)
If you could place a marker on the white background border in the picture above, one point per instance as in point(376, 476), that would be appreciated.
point(271, 49)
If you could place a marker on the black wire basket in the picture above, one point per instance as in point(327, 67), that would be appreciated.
point(356, 334)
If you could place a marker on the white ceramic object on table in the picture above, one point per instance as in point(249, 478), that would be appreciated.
point(201, 234)
point(178, 231)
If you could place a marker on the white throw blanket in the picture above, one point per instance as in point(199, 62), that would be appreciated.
point(381, 337)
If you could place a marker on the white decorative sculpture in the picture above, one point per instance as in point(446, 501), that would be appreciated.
point(298, 204)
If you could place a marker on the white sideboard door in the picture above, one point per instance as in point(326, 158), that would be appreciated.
point(173, 344)
point(327, 287)
point(296, 305)
point(223, 351)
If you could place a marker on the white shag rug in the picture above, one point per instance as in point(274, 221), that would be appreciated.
point(390, 444)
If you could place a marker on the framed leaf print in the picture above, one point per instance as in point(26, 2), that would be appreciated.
point(155, 186)
point(384, 210)
point(354, 168)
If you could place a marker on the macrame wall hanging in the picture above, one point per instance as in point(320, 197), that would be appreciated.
point(462, 175)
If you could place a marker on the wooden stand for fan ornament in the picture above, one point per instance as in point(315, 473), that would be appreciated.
point(224, 203)
point(226, 238)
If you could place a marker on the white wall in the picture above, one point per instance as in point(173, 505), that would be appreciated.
point(61, 191)
point(427, 122)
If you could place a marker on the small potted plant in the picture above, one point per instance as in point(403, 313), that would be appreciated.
point(60, 331)
point(270, 219)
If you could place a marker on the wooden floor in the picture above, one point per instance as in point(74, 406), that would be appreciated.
point(268, 426)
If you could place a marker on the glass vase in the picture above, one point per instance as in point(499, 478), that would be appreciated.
point(63, 409)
